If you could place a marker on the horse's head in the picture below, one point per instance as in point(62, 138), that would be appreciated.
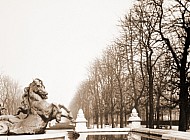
point(37, 87)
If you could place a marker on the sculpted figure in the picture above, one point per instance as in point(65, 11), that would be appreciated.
point(35, 92)
point(38, 112)
point(33, 124)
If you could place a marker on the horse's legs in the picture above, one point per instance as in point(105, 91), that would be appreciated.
point(68, 117)
point(62, 106)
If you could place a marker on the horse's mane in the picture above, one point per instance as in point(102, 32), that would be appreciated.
point(40, 81)
point(30, 90)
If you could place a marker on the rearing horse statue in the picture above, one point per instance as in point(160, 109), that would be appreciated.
point(38, 112)
point(34, 93)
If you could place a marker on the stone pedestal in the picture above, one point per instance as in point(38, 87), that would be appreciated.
point(80, 121)
point(134, 120)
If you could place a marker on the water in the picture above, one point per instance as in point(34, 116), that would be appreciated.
point(106, 136)
point(117, 136)
point(71, 135)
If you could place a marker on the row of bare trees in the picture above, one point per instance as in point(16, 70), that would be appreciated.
point(147, 67)
point(10, 94)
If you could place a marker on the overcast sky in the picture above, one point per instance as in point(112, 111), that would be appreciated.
point(56, 40)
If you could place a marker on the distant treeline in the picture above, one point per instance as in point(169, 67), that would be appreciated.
point(146, 67)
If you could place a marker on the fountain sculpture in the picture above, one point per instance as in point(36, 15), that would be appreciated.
point(38, 112)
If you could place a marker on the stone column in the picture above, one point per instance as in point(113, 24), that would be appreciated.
point(80, 121)
point(134, 120)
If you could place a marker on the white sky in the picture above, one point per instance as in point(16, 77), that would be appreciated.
point(56, 40)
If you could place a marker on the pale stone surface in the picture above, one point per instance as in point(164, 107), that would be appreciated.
point(80, 121)
point(165, 134)
point(176, 135)
point(56, 136)
point(104, 130)
point(80, 116)
point(134, 120)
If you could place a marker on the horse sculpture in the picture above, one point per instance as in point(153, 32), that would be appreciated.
point(38, 112)
point(35, 92)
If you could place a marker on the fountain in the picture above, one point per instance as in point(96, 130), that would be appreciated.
point(37, 113)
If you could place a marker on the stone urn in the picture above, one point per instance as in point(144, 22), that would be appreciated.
point(80, 121)
point(134, 120)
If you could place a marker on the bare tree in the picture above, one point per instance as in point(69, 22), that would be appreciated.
point(10, 94)
point(174, 29)
point(139, 27)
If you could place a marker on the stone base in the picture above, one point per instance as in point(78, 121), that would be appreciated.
point(135, 124)
point(57, 136)
point(80, 126)
point(50, 135)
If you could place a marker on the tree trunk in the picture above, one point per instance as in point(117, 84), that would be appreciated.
point(112, 119)
point(183, 105)
point(183, 97)
point(106, 118)
point(101, 119)
point(112, 114)
point(170, 110)
point(96, 117)
point(121, 117)
point(151, 112)
point(150, 91)
point(147, 114)
point(125, 113)
point(158, 114)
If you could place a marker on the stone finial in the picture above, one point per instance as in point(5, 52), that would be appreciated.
point(80, 116)
point(134, 113)
point(134, 120)
point(80, 121)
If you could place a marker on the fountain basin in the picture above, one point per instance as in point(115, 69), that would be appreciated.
point(99, 130)
point(49, 135)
